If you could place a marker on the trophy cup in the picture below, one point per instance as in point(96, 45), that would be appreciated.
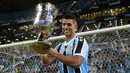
point(44, 23)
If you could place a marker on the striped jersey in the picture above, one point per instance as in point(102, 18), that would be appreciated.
point(75, 46)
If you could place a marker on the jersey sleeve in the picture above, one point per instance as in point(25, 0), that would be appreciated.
point(82, 48)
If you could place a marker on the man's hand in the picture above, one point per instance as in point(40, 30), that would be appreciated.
point(52, 52)
point(73, 61)
point(44, 59)
point(47, 60)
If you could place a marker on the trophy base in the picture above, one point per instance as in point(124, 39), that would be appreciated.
point(40, 47)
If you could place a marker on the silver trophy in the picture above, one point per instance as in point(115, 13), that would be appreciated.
point(44, 23)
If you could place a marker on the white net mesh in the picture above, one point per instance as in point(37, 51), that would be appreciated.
point(109, 52)
point(19, 59)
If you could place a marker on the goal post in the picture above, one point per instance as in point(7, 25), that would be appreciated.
point(62, 36)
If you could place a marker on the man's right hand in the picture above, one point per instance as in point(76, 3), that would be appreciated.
point(44, 59)
point(47, 59)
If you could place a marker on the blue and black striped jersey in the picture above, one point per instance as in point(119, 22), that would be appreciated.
point(75, 46)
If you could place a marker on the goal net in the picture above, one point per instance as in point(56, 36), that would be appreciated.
point(109, 52)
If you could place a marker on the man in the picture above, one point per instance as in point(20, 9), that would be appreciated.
point(72, 53)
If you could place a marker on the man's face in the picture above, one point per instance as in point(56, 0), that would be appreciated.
point(69, 27)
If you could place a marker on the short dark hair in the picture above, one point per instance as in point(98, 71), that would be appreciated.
point(70, 16)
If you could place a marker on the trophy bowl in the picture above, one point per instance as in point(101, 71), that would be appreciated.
point(44, 24)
